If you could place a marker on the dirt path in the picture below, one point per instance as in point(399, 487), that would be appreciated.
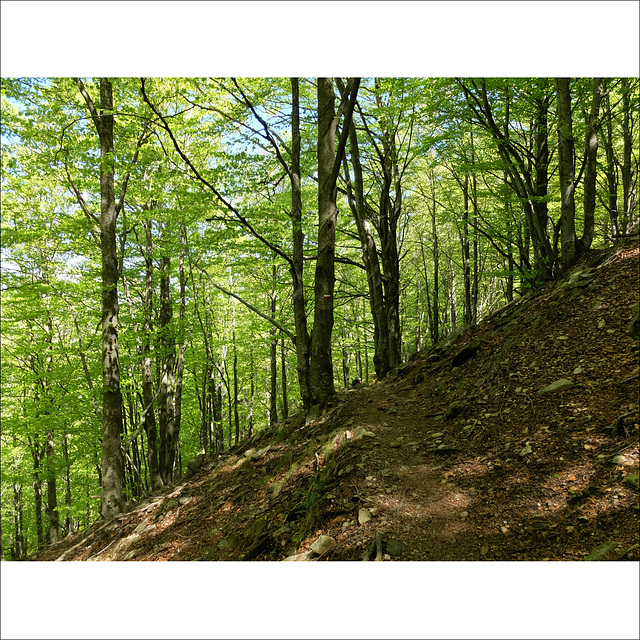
point(440, 462)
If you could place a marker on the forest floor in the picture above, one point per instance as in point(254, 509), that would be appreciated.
point(438, 462)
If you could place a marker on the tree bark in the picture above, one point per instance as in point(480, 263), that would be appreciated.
point(151, 427)
point(321, 369)
point(591, 153)
point(303, 339)
point(570, 248)
point(112, 457)
point(370, 259)
point(166, 399)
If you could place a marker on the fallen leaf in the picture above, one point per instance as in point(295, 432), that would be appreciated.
point(571, 478)
point(484, 549)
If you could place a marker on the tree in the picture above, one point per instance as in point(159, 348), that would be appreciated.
point(112, 459)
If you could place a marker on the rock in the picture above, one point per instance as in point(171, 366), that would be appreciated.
point(466, 353)
point(195, 463)
point(556, 387)
point(610, 550)
point(261, 453)
point(455, 409)
point(322, 545)
point(364, 515)
point(395, 547)
point(361, 432)
point(301, 557)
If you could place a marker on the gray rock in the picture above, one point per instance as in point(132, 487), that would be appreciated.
point(609, 550)
point(195, 463)
point(361, 432)
point(257, 455)
point(556, 387)
point(322, 544)
point(301, 557)
point(455, 409)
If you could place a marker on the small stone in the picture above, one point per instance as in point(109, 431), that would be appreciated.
point(395, 445)
point(322, 544)
point(578, 370)
point(610, 550)
point(555, 387)
point(361, 432)
point(619, 460)
point(301, 557)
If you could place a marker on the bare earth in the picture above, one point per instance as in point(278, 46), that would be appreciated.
point(515, 475)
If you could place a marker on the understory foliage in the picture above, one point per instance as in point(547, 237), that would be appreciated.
point(454, 196)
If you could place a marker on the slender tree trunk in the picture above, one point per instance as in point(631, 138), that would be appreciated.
point(19, 547)
point(629, 169)
point(612, 177)
point(370, 260)
point(435, 320)
point(52, 498)
point(273, 396)
point(570, 248)
point(252, 392)
point(37, 489)
point(69, 525)
point(182, 345)
point(166, 398)
point(303, 340)
point(112, 457)
point(591, 152)
point(285, 393)
point(150, 425)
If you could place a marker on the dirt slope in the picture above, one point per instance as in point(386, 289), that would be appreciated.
point(439, 462)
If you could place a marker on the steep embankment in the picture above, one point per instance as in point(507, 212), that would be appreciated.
point(517, 441)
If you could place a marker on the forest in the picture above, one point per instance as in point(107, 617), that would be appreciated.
point(188, 261)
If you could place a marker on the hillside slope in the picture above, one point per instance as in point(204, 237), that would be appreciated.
point(465, 453)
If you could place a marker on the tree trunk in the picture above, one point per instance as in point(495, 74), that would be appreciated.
point(150, 425)
point(52, 498)
point(112, 457)
point(303, 340)
point(273, 395)
point(69, 524)
point(629, 173)
point(435, 320)
point(19, 548)
point(321, 369)
point(166, 397)
point(570, 248)
point(591, 152)
point(285, 392)
point(181, 345)
point(370, 259)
